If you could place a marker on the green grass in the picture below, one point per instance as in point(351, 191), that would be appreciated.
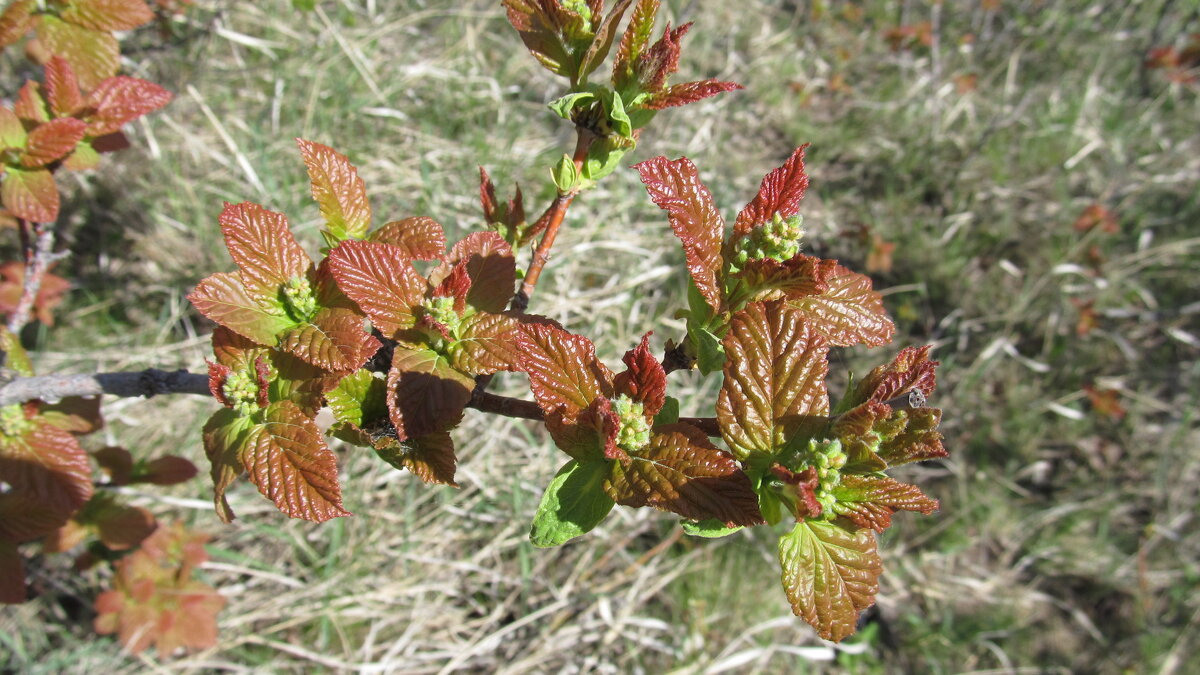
point(1066, 542)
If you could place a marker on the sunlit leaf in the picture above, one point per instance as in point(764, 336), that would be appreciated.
point(780, 192)
point(562, 367)
point(107, 15)
point(689, 92)
point(643, 379)
point(261, 243)
point(120, 100)
point(487, 344)
point(830, 575)
point(338, 190)
point(798, 277)
point(676, 188)
point(94, 55)
point(223, 298)
point(14, 23)
point(774, 378)
point(910, 371)
point(381, 280)
point(225, 437)
point(286, 457)
point(51, 141)
point(420, 238)
point(870, 501)
point(849, 313)
point(492, 269)
point(30, 194)
point(334, 340)
point(574, 502)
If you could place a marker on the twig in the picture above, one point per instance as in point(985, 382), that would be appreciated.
point(528, 410)
point(551, 220)
point(146, 383)
point(39, 255)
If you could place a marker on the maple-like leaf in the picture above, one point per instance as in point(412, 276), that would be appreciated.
point(830, 574)
point(774, 382)
point(425, 394)
point(338, 190)
point(676, 188)
point(849, 312)
point(682, 472)
point(286, 457)
point(420, 238)
point(870, 501)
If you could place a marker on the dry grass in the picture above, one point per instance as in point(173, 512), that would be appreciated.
point(1067, 542)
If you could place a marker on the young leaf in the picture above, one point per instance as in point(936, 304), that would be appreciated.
point(538, 24)
point(420, 238)
point(774, 378)
point(830, 575)
point(780, 192)
point(708, 529)
point(262, 245)
point(644, 379)
point(30, 194)
point(682, 472)
point(911, 370)
point(381, 280)
point(93, 55)
point(602, 42)
point(676, 188)
point(430, 457)
point(47, 463)
point(358, 397)
point(120, 100)
point(798, 277)
point(30, 106)
point(633, 42)
point(870, 501)
point(688, 92)
point(425, 395)
point(338, 190)
point(573, 504)
point(226, 435)
point(224, 299)
point(14, 23)
point(286, 457)
point(918, 441)
point(52, 140)
point(849, 312)
point(107, 15)
point(491, 266)
point(486, 344)
point(562, 367)
point(334, 340)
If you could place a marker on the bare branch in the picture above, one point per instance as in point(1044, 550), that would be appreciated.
point(146, 383)
point(39, 255)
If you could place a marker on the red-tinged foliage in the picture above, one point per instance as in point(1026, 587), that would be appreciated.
point(849, 312)
point(262, 245)
point(870, 501)
point(689, 92)
point(491, 267)
point(676, 188)
point(338, 190)
point(430, 457)
point(50, 293)
point(15, 21)
point(774, 386)
point(94, 55)
point(117, 101)
point(1105, 402)
point(382, 281)
point(420, 238)
point(425, 394)
point(1094, 217)
point(830, 574)
point(107, 15)
point(52, 141)
point(286, 457)
point(682, 472)
point(46, 463)
point(800, 277)
point(564, 375)
point(156, 601)
point(909, 36)
point(643, 379)
point(779, 193)
point(911, 370)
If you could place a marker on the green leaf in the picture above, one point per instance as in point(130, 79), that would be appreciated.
point(573, 504)
point(338, 190)
point(604, 157)
point(669, 413)
point(30, 194)
point(774, 387)
point(94, 55)
point(359, 397)
point(830, 575)
point(708, 529)
point(286, 457)
point(564, 105)
point(710, 352)
point(305, 5)
point(225, 440)
point(565, 176)
point(614, 107)
point(224, 299)
point(485, 345)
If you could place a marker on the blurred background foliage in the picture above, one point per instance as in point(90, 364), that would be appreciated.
point(1018, 176)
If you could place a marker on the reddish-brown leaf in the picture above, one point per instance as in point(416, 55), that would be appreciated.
point(634, 41)
point(168, 470)
point(920, 439)
point(108, 15)
point(52, 140)
point(780, 192)
point(539, 23)
point(74, 414)
point(116, 463)
point(661, 59)
point(338, 190)
point(605, 32)
point(491, 266)
point(643, 379)
point(94, 55)
point(774, 382)
point(487, 344)
point(120, 527)
point(30, 194)
point(381, 280)
point(12, 289)
point(430, 457)
point(14, 23)
point(870, 501)
point(62, 88)
point(849, 312)
point(682, 472)
point(911, 370)
point(118, 101)
point(47, 463)
point(334, 340)
point(421, 238)
point(564, 374)
point(587, 435)
point(12, 574)
point(223, 298)
point(286, 457)
point(262, 245)
point(23, 517)
point(425, 395)
point(799, 277)
point(830, 575)
point(30, 106)
point(676, 188)
point(688, 92)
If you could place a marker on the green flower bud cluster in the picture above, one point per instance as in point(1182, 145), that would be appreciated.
point(13, 421)
point(241, 390)
point(828, 458)
point(442, 311)
point(634, 432)
point(580, 7)
point(298, 298)
point(778, 240)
